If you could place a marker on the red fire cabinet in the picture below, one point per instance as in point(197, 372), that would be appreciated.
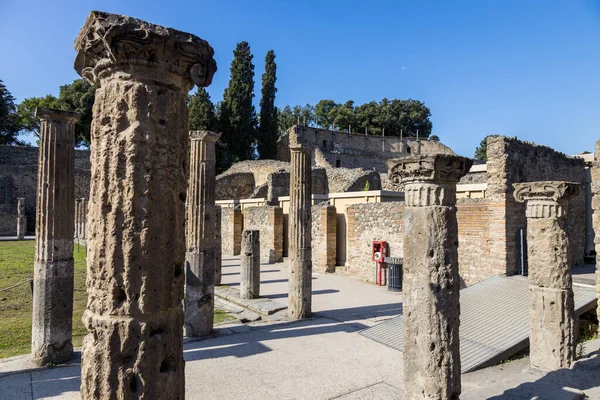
point(378, 254)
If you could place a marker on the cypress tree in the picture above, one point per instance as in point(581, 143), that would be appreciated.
point(202, 111)
point(267, 135)
point(237, 120)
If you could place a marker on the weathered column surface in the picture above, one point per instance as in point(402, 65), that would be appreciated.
point(21, 219)
point(300, 217)
point(200, 258)
point(136, 209)
point(52, 324)
point(552, 308)
point(431, 281)
point(250, 277)
point(218, 249)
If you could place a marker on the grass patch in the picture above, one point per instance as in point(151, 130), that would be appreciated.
point(222, 316)
point(16, 265)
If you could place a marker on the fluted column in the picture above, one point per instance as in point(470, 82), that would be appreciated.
point(200, 258)
point(53, 271)
point(218, 249)
point(136, 208)
point(250, 265)
point(431, 281)
point(552, 308)
point(21, 219)
point(300, 216)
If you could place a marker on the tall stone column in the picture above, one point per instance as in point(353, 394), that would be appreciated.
point(218, 249)
point(77, 231)
point(552, 308)
point(136, 208)
point(21, 219)
point(200, 258)
point(53, 271)
point(300, 217)
point(250, 276)
point(431, 282)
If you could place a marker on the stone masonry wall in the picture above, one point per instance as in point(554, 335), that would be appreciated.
point(511, 161)
point(8, 219)
point(595, 189)
point(231, 231)
point(324, 229)
point(368, 222)
point(18, 178)
point(269, 221)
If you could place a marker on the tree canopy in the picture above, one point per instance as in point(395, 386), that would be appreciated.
point(9, 119)
point(77, 96)
point(201, 111)
point(407, 117)
point(267, 132)
point(237, 119)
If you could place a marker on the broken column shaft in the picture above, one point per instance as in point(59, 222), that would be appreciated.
point(218, 244)
point(300, 217)
point(250, 277)
point(552, 307)
point(431, 282)
point(52, 324)
point(136, 208)
point(21, 219)
point(200, 258)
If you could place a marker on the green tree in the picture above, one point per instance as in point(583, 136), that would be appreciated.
point(78, 97)
point(285, 119)
point(201, 111)
point(344, 117)
point(481, 150)
point(9, 119)
point(237, 119)
point(267, 133)
point(323, 114)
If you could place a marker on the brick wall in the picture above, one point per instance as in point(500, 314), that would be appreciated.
point(324, 229)
point(269, 221)
point(368, 222)
point(231, 231)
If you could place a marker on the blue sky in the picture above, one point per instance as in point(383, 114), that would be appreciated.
point(522, 68)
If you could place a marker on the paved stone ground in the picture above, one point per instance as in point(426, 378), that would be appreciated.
point(320, 358)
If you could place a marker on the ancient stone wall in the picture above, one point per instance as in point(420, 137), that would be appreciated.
point(269, 221)
point(8, 219)
point(324, 231)
point(474, 237)
point(231, 231)
point(355, 150)
point(18, 178)
point(512, 161)
point(368, 222)
point(595, 189)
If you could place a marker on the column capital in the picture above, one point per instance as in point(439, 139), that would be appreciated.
point(436, 168)
point(56, 115)
point(205, 135)
point(300, 147)
point(110, 45)
point(544, 198)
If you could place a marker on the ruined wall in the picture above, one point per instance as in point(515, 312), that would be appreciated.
point(511, 161)
point(595, 189)
point(354, 150)
point(324, 229)
point(18, 178)
point(278, 184)
point(8, 219)
point(368, 222)
point(231, 231)
point(269, 221)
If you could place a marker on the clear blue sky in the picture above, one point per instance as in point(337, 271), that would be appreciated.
point(521, 68)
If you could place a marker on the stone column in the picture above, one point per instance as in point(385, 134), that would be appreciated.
point(552, 308)
point(53, 267)
point(200, 262)
point(218, 249)
point(21, 219)
point(136, 208)
point(250, 277)
point(77, 231)
point(431, 280)
point(300, 217)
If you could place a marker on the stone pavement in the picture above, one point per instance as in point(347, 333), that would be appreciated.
point(319, 358)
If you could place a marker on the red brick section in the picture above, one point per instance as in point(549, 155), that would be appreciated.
point(324, 231)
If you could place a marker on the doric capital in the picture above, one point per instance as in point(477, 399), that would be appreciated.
point(110, 43)
point(300, 148)
point(205, 135)
point(56, 115)
point(545, 190)
point(544, 199)
point(439, 168)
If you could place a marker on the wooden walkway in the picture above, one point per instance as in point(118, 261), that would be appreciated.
point(494, 321)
